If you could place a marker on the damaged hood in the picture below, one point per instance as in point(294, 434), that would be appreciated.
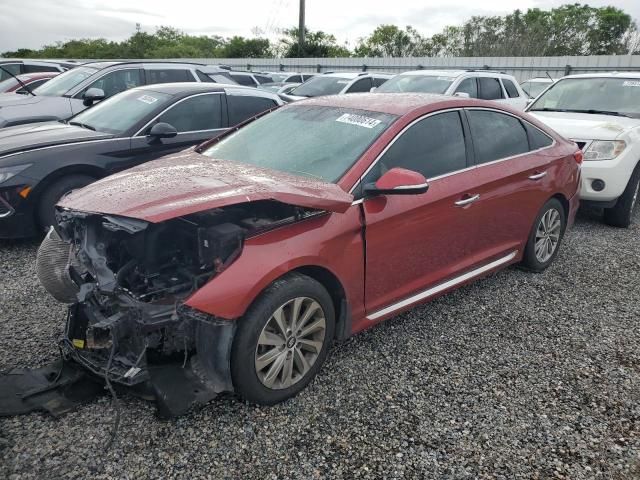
point(188, 182)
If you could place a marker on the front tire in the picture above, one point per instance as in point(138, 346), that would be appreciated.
point(54, 193)
point(283, 340)
point(622, 214)
point(545, 237)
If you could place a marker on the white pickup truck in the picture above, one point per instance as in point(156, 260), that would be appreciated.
point(601, 113)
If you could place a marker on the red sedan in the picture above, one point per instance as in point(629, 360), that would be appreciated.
point(248, 256)
point(31, 80)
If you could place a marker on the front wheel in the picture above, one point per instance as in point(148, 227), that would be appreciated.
point(54, 193)
point(283, 340)
point(621, 215)
point(545, 237)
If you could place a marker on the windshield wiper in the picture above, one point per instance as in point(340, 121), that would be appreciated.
point(545, 109)
point(22, 84)
point(83, 125)
point(601, 112)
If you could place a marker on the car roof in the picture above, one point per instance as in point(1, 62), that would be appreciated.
point(540, 80)
point(187, 87)
point(391, 103)
point(606, 75)
point(435, 73)
point(102, 65)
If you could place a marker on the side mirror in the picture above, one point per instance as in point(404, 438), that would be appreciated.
point(163, 130)
point(462, 95)
point(398, 181)
point(373, 89)
point(92, 95)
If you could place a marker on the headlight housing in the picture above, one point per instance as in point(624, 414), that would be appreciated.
point(7, 172)
point(604, 149)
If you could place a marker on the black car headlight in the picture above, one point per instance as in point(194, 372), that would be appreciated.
point(8, 172)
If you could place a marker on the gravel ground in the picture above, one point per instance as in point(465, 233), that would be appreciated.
point(517, 376)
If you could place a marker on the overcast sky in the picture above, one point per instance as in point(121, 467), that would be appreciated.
point(34, 23)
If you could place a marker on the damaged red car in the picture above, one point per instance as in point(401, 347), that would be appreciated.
point(233, 267)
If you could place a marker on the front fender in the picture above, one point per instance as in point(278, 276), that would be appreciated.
point(331, 241)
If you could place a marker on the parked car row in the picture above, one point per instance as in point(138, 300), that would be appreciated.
point(234, 265)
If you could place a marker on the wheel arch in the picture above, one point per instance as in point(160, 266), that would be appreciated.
point(564, 201)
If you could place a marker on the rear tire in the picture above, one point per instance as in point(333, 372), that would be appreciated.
point(622, 214)
point(54, 193)
point(270, 362)
point(545, 237)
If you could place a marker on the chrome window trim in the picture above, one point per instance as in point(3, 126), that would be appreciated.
point(137, 134)
point(79, 89)
point(472, 167)
point(430, 292)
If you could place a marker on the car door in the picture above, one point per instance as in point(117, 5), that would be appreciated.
point(511, 179)
point(490, 88)
point(414, 242)
point(196, 118)
point(111, 83)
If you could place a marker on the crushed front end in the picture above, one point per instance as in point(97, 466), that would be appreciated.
point(126, 281)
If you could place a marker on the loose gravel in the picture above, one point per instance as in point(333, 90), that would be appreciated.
point(517, 376)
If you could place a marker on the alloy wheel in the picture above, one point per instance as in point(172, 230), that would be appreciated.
point(548, 235)
point(290, 343)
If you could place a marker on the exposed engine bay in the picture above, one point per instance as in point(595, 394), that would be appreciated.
point(126, 281)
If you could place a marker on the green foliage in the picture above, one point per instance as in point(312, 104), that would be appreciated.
point(316, 44)
point(571, 29)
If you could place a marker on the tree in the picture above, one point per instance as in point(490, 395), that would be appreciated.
point(392, 41)
point(317, 44)
point(240, 47)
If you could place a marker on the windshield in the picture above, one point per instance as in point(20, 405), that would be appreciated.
point(313, 141)
point(318, 86)
point(8, 84)
point(121, 112)
point(619, 96)
point(533, 89)
point(416, 84)
point(58, 86)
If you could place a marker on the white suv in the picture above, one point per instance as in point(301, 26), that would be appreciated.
point(337, 83)
point(483, 84)
point(601, 113)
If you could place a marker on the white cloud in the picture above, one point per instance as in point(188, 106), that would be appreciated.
point(47, 21)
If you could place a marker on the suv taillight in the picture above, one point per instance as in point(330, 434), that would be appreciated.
point(578, 156)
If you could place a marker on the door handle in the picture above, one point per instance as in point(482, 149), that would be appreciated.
point(467, 201)
point(538, 176)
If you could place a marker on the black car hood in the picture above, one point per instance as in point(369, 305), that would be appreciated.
point(37, 135)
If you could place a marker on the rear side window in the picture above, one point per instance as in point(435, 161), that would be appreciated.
point(490, 88)
point(511, 89)
point(468, 85)
point(363, 85)
point(434, 146)
point(201, 112)
point(11, 67)
point(537, 138)
point(245, 80)
point(242, 107)
point(168, 76)
point(496, 135)
point(377, 81)
point(39, 68)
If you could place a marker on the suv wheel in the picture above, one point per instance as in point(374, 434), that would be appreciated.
point(622, 214)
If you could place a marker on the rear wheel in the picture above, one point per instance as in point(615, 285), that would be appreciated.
point(283, 340)
point(54, 193)
point(627, 205)
point(545, 237)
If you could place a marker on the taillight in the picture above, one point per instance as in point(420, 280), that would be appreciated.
point(578, 156)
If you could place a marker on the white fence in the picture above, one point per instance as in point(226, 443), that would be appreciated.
point(520, 67)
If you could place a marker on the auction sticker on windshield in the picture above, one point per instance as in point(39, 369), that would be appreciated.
point(148, 99)
point(359, 120)
point(631, 83)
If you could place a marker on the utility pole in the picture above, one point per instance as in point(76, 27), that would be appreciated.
point(301, 30)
